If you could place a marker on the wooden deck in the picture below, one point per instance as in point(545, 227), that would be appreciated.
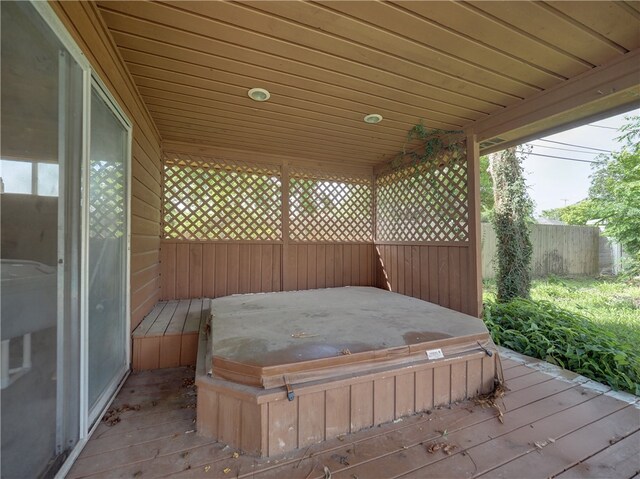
point(553, 427)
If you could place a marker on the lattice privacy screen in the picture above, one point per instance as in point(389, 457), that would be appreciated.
point(221, 200)
point(423, 202)
point(325, 207)
point(106, 200)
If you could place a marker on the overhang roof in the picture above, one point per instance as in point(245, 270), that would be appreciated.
point(506, 70)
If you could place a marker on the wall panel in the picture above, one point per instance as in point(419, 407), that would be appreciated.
point(328, 265)
point(197, 269)
point(438, 274)
point(214, 269)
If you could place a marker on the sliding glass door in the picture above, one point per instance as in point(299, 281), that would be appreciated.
point(64, 172)
point(40, 170)
point(107, 258)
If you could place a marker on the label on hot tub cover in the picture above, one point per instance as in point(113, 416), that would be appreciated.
point(435, 354)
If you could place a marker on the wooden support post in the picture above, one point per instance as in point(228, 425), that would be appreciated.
point(475, 237)
point(285, 271)
point(374, 225)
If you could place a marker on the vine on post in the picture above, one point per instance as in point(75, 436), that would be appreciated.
point(512, 211)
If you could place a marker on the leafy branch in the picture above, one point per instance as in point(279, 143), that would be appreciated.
point(434, 144)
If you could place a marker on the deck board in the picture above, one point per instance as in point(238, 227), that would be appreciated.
point(192, 322)
point(149, 319)
point(176, 324)
point(570, 448)
point(164, 318)
point(618, 460)
point(595, 435)
point(466, 432)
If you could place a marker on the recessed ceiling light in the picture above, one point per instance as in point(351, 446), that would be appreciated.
point(373, 118)
point(259, 94)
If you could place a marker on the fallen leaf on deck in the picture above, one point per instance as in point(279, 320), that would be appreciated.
point(112, 416)
point(449, 448)
point(491, 400)
point(434, 447)
point(341, 459)
point(236, 455)
point(188, 382)
point(444, 446)
point(226, 470)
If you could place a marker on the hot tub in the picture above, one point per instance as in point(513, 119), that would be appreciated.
point(284, 370)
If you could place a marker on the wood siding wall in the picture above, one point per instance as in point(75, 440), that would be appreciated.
point(214, 269)
point(327, 265)
point(85, 24)
point(435, 273)
point(557, 249)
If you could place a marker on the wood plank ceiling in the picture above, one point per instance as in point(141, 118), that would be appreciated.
point(328, 64)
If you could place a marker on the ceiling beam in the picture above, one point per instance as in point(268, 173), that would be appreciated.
point(613, 87)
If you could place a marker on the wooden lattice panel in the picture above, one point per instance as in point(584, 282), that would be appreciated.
point(212, 199)
point(106, 200)
point(425, 201)
point(325, 207)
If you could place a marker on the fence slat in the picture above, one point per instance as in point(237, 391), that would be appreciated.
point(563, 250)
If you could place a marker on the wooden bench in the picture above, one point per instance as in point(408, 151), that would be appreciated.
point(167, 337)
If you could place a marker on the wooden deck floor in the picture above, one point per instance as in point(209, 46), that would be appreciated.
point(552, 428)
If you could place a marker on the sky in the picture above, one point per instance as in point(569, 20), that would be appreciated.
point(555, 182)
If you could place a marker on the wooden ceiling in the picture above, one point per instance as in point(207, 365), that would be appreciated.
point(328, 64)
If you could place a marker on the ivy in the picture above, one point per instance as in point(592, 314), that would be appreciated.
point(512, 210)
point(432, 144)
point(568, 339)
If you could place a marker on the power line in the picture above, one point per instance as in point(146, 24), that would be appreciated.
point(576, 146)
point(602, 126)
point(562, 158)
point(564, 149)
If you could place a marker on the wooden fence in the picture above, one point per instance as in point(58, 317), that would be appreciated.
point(561, 250)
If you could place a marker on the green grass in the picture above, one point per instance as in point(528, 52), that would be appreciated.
point(591, 326)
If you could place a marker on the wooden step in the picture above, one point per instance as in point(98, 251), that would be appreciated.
point(167, 337)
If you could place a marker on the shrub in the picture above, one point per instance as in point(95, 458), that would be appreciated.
point(565, 338)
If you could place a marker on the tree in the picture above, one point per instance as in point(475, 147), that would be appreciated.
point(576, 214)
point(615, 190)
point(512, 209)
